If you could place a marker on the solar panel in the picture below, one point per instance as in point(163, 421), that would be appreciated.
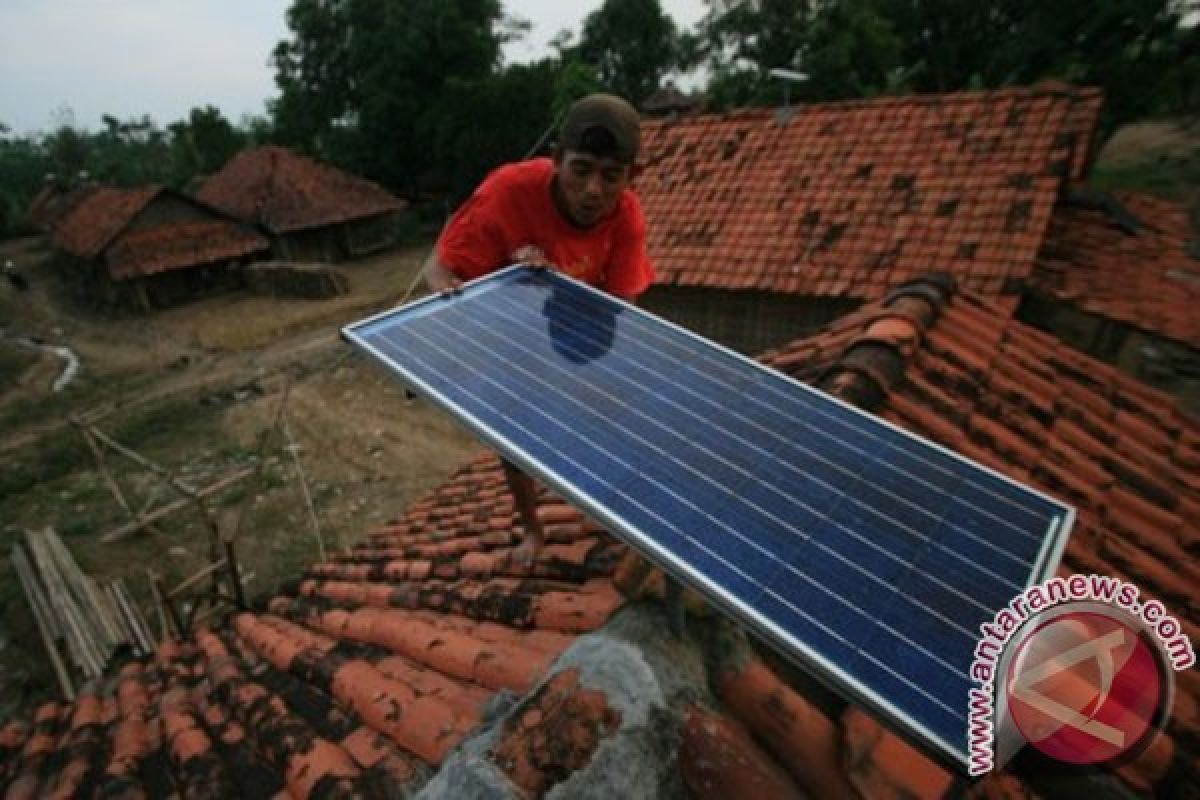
point(865, 553)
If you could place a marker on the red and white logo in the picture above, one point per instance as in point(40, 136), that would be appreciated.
point(1086, 686)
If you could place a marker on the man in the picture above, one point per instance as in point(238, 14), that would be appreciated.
point(574, 212)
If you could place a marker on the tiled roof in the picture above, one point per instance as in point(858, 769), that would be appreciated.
point(957, 369)
point(847, 199)
point(100, 225)
point(1136, 262)
point(286, 192)
point(425, 658)
point(181, 245)
point(93, 223)
point(52, 203)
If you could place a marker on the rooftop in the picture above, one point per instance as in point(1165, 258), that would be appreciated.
point(285, 192)
point(102, 224)
point(847, 199)
point(1129, 257)
point(423, 659)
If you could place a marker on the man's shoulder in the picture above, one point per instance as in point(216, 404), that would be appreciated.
point(520, 175)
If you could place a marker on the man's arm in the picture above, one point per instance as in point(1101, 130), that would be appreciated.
point(439, 277)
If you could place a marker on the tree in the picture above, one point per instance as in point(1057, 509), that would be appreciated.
point(1134, 49)
point(743, 39)
point(631, 44)
point(362, 80)
point(201, 144)
point(850, 50)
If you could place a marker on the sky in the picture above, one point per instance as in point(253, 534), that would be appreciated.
point(71, 61)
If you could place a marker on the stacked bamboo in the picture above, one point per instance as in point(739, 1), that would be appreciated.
point(75, 617)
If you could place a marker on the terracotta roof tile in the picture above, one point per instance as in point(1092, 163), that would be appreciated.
point(286, 192)
point(101, 226)
point(719, 760)
point(181, 245)
point(1143, 276)
point(847, 199)
point(554, 734)
point(423, 642)
point(89, 228)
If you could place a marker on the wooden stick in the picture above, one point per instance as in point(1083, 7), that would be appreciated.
point(160, 611)
point(308, 501)
point(197, 577)
point(141, 627)
point(45, 625)
point(102, 467)
point(122, 621)
point(176, 505)
point(87, 595)
point(172, 611)
point(53, 625)
point(86, 652)
point(264, 438)
point(235, 575)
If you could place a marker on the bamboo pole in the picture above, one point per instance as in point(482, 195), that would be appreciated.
point(41, 614)
point(133, 527)
point(86, 651)
point(264, 439)
point(308, 501)
point(197, 578)
point(172, 612)
point(98, 456)
point(122, 622)
point(159, 610)
point(87, 595)
point(235, 575)
point(140, 625)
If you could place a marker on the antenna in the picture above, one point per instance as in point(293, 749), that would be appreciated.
point(788, 76)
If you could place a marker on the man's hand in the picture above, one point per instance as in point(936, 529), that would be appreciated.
point(438, 277)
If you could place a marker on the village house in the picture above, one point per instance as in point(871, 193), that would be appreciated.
point(151, 246)
point(311, 211)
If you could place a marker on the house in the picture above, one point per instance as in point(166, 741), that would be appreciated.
point(1118, 277)
point(54, 201)
point(764, 226)
point(423, 660)
point(151, 246)
point(311, 211)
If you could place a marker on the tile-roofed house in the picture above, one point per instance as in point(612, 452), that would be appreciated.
point(53, 202)
point(312, 211)
point(1119, 272)
point(842, 200)
point(151, 245)
point(424, 660)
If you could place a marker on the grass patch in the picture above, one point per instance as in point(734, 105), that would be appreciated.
point(164, 425)
point(55, 455)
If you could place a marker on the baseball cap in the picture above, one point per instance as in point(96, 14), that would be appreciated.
point(608, 113)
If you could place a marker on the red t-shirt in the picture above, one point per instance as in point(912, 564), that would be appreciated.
point(512, 215)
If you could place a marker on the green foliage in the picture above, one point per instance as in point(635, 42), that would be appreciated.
point(23, 163)
point(201, 144)
point(128, 152)
point(364, 83)
point(1134, 49)
point(631, 44)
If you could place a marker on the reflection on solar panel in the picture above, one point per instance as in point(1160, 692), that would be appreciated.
point(868, 555)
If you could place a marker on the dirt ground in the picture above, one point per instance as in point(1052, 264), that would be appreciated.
point(193, 388)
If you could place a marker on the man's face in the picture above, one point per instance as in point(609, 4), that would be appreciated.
point(588, 187)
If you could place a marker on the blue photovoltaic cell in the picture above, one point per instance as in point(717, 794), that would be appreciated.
point(867, 554)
